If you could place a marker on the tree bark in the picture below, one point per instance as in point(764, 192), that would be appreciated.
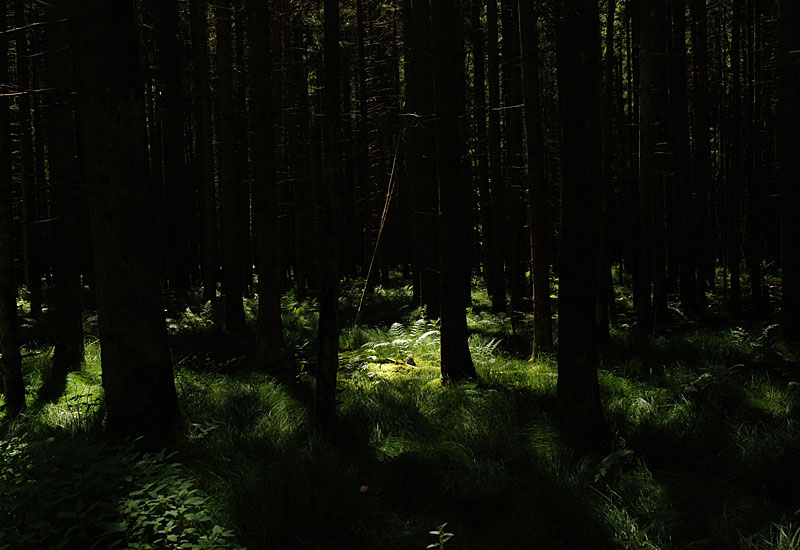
point(137, 369)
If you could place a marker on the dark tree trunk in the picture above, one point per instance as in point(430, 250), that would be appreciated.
point(517, 248)
point(328, 258)
point(456, 362)
point(579, 91)
point(537, 186)
point(481, 146)
point(230, 186)
point(66, 196)
point(734, 251)
point(497, 292)
point(165, 16)
point(270, 338)
point(702, 151)
point(652, 147)
point(137, 369)
point(682, 154)
point(204, 160)
point(30, 242)
point(10, 358)
point(789, 143)
point(425, 200)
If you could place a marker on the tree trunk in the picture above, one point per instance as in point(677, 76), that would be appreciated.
point(328, 258)
point(137, 369)
point(456, 362)
point(66, 195)
point(789, 144)
point(517, 247)
point(702, 151)
point(270, 338)
point(425, 201)
point(10, 358)
point(230, 186)
point(579, 65)
point(497, 292)
point(30, 242)
point(204, 148)
point(682, 154)
point(734, 251)
point(537, 186)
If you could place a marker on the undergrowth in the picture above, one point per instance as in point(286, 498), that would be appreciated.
point(705, 450)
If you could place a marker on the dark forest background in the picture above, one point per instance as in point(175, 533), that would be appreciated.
point(403, 221)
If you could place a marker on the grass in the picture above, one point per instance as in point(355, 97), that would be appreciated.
point(705, 449)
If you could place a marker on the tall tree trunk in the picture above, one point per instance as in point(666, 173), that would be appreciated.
point(270, 338)
point(64, 181)
point(579, 65)
point(516, 241)
point(10, 358)
point(456, 362)
point(328, 257)
point(702, 151)
point(789, 143)
point(481, 148)
point(165, 16)
point(537, 186)
point(497, 292)
point(734, 251)
point(30, 242)
point(230, 186)
point(204, 148)
point(425, 200)
point(137, 369)
point(652, 143)
point(682, 154)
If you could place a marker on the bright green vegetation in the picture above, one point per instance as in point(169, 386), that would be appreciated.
point(705, 451)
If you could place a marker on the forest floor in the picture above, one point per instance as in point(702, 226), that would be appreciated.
point(704, 451)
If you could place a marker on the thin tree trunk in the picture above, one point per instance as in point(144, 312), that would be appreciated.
point(537, 186)
point(735, 180)
point(230, 186)
point(497, 292)
point(328, 258)
point(789, 144)
point(204, 148)
point(30, 242)
point(10, 358)
point(680, 133)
